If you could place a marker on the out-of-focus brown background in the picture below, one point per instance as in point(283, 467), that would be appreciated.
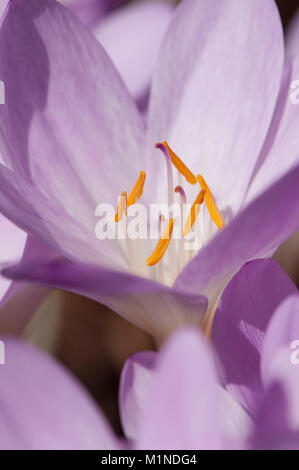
point(94, 342)
point(287, 9)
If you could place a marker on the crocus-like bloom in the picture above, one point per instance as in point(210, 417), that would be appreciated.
point(256, 339)
point(72, 138)
point(45, 408)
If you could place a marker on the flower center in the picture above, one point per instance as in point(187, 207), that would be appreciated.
point(204, 196)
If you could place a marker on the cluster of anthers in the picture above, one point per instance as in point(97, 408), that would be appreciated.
point(204, 195)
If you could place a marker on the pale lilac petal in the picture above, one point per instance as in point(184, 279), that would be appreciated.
point(3, 9)
point(151, 306)
point(43, 407)
point(292, 37)
point(281, 149)
point(284, 369)
point(282, 335)
point(236, 423)
point(183, 412)
point(256, 232)
point(89, 11)
point(28, 208)
point(278, 416)
point(132, 37)
point(271, 431)
point(246, 307)
point(22, 300)
point(215, 90)
point(136, 381)
point(138, 378)
point(69, 125)
point(12, 243)
point(280, 358)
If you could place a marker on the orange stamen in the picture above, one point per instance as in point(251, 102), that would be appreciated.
point(211, 204)
point(180, 166)
point(162, 246)
point(137, 191)
point(121, 207)
point(194, 212)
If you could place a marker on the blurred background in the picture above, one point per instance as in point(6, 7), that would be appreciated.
point(90, 340)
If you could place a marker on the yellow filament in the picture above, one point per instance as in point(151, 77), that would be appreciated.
point(194, 212)
point(162, 246)
point(137, 191)
point(180, 166)
point(122, 207)
point(211, 204)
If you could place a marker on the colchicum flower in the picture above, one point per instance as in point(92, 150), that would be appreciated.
point(15, 244)
point(72, 138)
point(46, 408)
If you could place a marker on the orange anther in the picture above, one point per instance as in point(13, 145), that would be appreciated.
point(137, 191)
point(121, 207)
point(179, 164)
point(194, 213)
point(211, 204)
point(162, 245)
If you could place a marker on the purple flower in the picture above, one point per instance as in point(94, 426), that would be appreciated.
point(252, 399)
point(248, 337)
point(72, 138)
point(44, 405)
point(174, 399)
